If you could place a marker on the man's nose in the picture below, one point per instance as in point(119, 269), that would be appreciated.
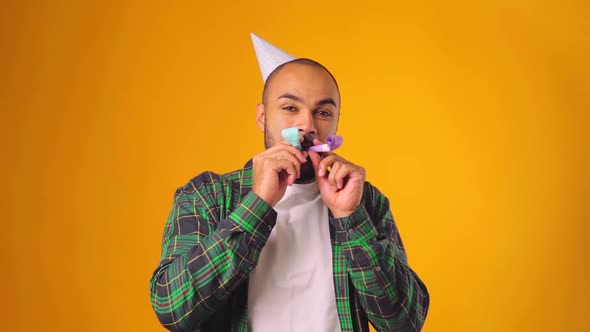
point(306, 123)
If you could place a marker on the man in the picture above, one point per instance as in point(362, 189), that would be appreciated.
point(294, 241)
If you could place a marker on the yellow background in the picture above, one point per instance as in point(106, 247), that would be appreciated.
point(472, 116)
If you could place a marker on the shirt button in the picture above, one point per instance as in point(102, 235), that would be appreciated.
point(250, 267)
point(378, 268)
point(269, 227)
point(351, 231)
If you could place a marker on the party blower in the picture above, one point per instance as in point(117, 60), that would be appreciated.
point(291, 135)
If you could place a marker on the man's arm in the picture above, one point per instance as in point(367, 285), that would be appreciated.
point(205, 259)
point(391, 294)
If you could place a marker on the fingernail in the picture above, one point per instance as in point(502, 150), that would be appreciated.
point(321, 172)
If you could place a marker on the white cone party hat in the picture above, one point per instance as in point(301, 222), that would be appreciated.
point(269, 56)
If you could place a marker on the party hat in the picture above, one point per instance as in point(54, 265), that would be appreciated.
point(269, 56)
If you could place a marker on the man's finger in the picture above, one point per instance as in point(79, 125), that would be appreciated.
point(327, 162)
point(288, 168)
point(315, 162)
point(342, 171)
point(286, 155)
point(332, 178)
point(286, 147)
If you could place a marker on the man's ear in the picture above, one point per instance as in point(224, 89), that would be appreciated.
point(260, 116)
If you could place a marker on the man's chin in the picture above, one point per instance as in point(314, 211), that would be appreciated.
point(307, 172)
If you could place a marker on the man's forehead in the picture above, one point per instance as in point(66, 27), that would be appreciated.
point(303, 77)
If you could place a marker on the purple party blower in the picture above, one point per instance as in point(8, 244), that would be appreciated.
point(332, 143)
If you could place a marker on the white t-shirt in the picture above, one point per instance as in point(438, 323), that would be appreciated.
point(292, 287)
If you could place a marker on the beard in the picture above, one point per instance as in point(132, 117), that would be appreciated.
point(307, 173)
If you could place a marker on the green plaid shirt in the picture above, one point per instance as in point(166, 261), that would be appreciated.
point(213, 238)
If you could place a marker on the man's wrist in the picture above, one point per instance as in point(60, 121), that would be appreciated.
point(341, 213)
point(355, 228)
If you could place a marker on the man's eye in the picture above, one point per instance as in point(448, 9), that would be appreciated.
point(289, 108)
point(323, 114)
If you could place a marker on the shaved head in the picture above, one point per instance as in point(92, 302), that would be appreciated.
point(303, 61)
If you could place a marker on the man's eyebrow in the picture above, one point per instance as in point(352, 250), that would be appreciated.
point(299, 99)
point(290, 96)
point(326, 101)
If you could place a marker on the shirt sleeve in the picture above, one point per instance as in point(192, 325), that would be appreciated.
point(205, 259)
point(391, 294)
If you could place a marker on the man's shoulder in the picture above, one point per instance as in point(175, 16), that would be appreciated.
point(209, 179)
point(209, 182)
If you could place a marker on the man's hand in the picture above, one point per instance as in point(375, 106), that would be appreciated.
point(276, 168)
point(341, 187)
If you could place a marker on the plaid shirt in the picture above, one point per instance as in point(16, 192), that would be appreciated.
point(214, 236)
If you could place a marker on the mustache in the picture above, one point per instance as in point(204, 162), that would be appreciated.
point(307, 142)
